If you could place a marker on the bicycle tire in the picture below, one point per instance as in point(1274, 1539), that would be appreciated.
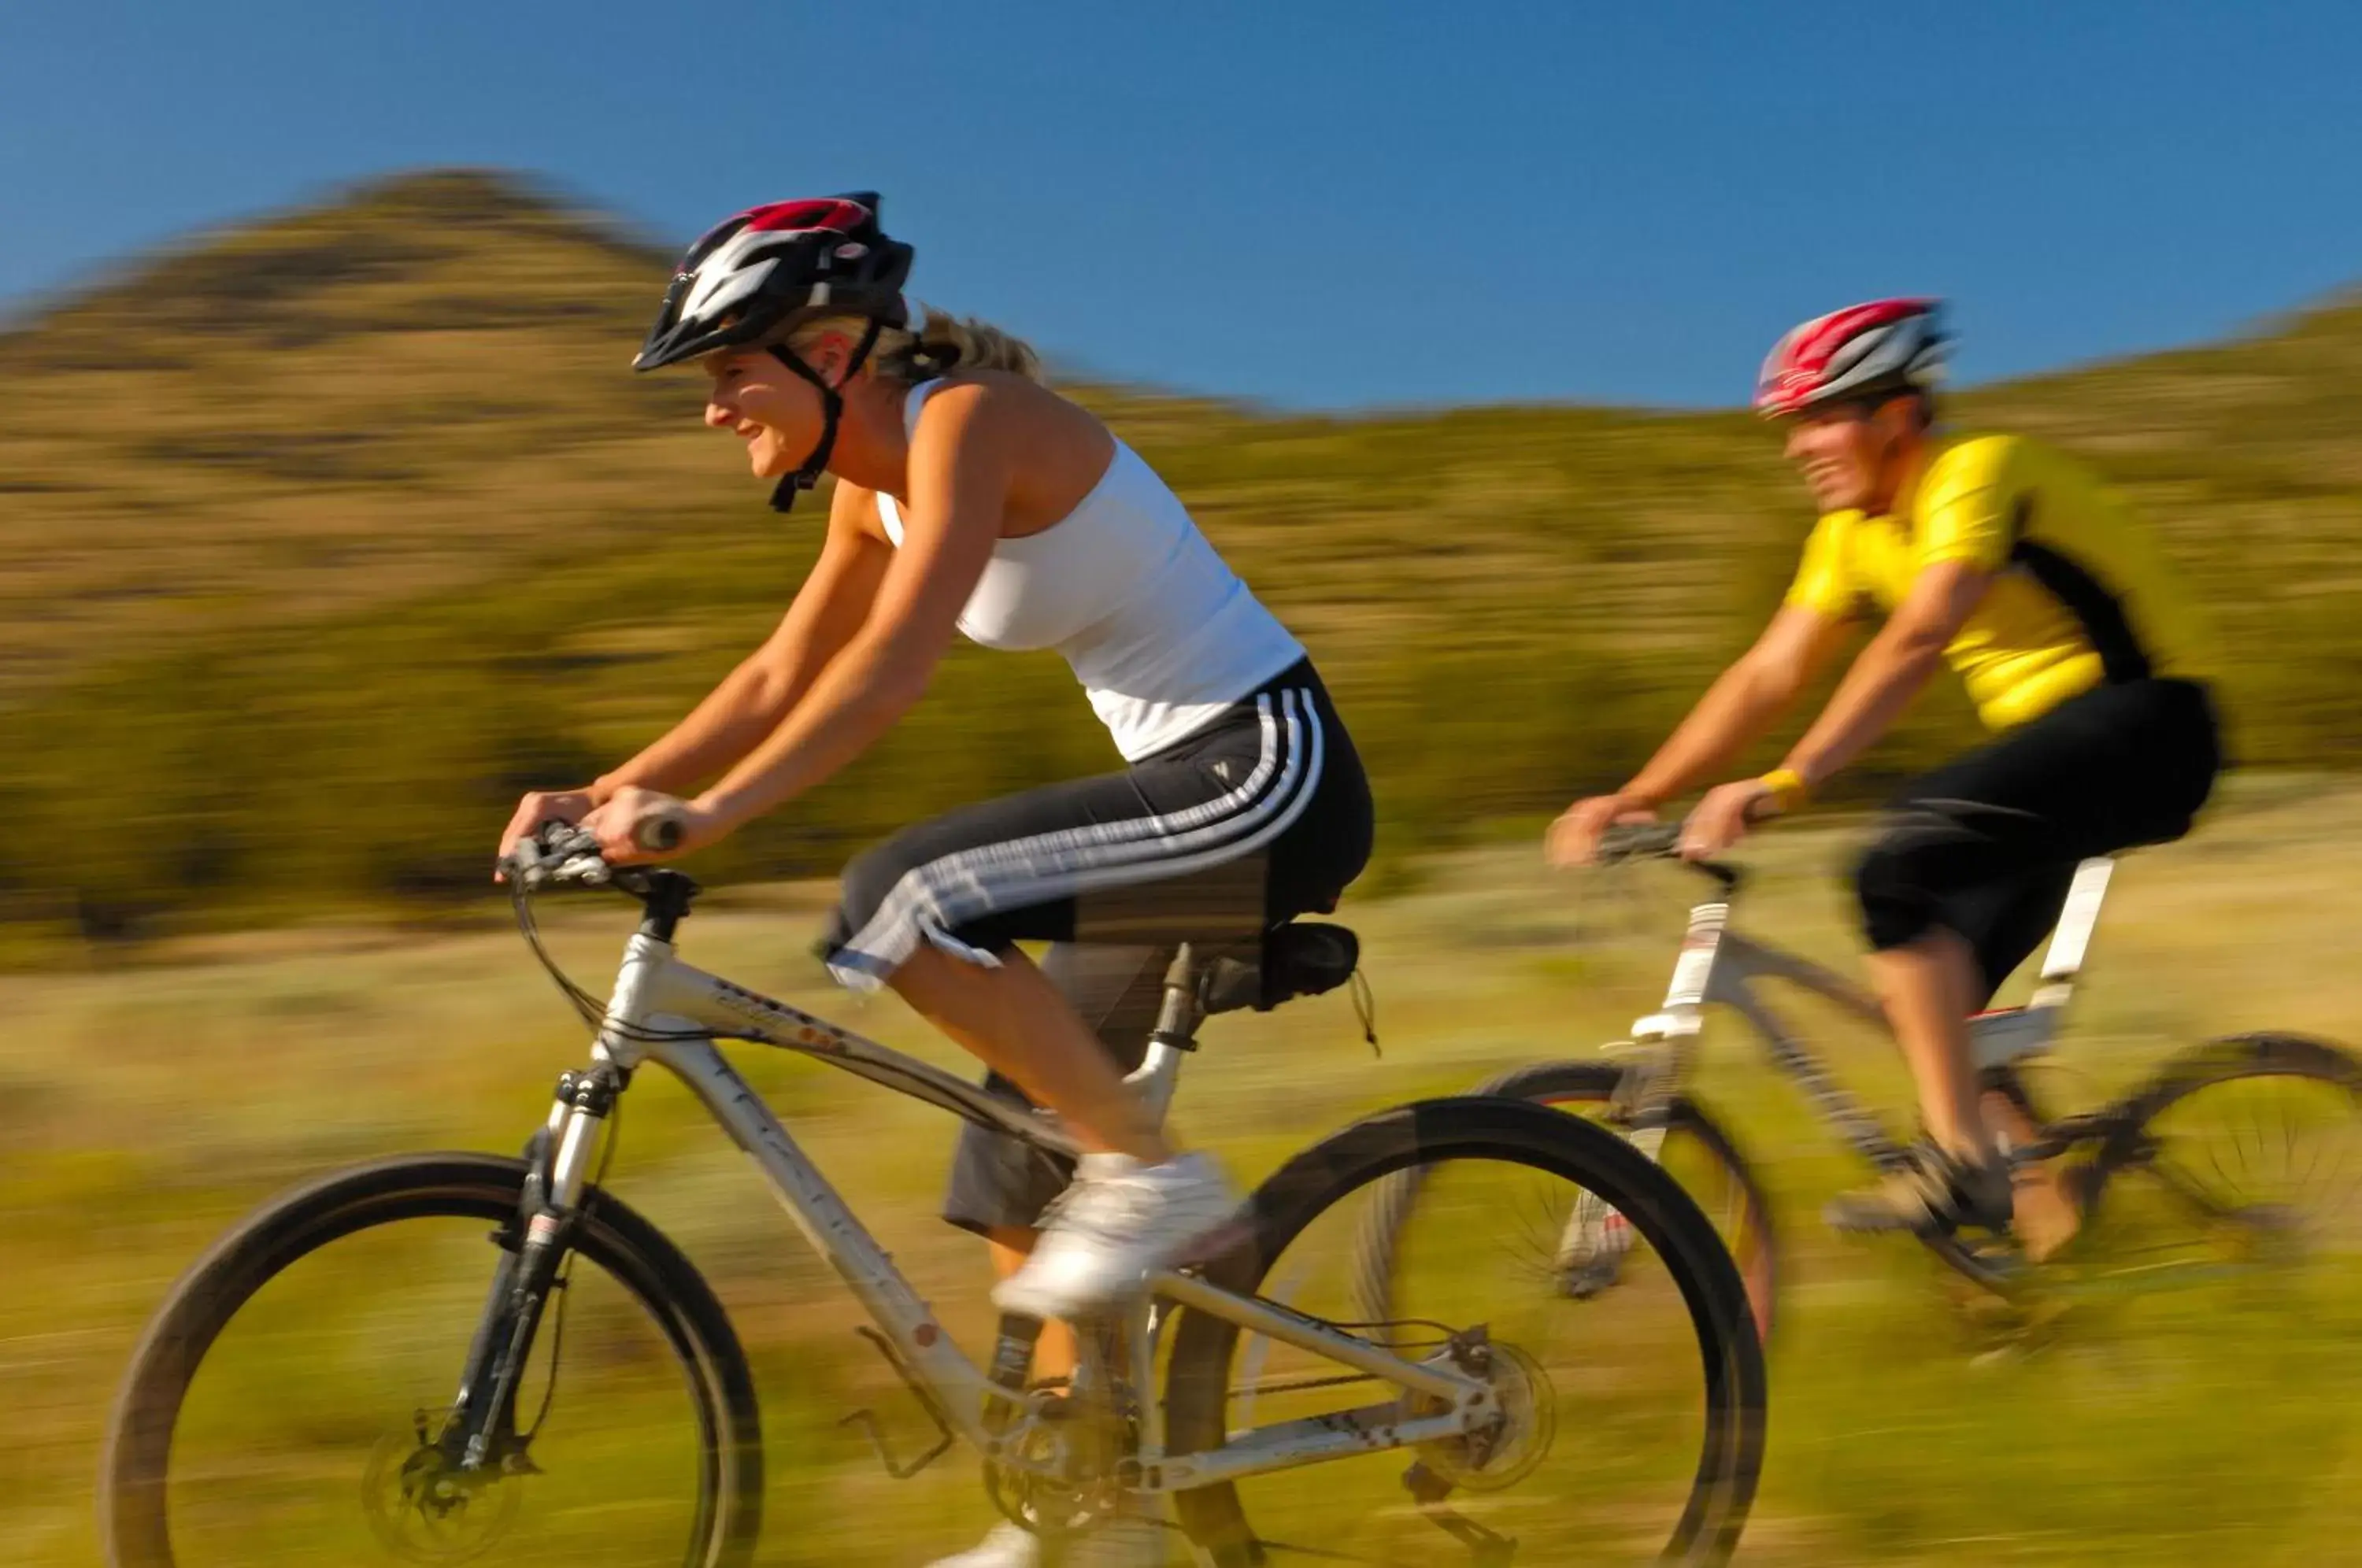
point(1752, 1241)
point(2130, 1141)
point(132, 1490)
point(1198, 1380)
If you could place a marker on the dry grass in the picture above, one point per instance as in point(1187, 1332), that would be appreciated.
point(147, 1106)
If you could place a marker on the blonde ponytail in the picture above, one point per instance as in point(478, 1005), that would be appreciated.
point(944, 340)
point(942, 343)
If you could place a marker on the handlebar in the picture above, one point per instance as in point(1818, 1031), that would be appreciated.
point(1624, 842)
point(560, 854)
point(556, 854)
point(1638, 841)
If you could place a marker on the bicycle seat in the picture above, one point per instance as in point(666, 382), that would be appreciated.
point(1296, 959)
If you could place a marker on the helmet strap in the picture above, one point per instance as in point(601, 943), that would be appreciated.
point(831, 409)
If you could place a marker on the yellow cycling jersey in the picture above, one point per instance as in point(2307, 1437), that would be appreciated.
point(2081, 594)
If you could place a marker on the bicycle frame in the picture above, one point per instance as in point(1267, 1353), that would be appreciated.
point(666, 1011)
point(1719, 966)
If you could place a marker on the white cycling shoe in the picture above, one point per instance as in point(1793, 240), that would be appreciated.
point(1118, 1222)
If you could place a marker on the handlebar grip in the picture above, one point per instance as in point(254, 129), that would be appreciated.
point(659, 833)
point(1639, 840)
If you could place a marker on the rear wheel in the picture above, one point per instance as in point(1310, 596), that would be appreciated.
point(2242, 1153)
point(1630, 1432)
point(289, 1402)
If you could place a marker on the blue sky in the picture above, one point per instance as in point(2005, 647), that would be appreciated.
point(1315, 203)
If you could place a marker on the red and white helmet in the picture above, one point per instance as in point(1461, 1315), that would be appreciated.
point(752, 277)
point(755, 273)
point(1864, 351)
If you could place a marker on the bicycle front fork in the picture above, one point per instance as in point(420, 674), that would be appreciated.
point(1592, 1247)
point(482, 1428)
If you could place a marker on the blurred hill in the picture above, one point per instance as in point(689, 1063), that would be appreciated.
point(322, 536)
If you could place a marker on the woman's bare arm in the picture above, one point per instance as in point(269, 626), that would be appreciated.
point(751, 701)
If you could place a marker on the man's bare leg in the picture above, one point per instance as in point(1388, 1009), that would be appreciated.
point(2045, 1218)
point(1927, 986)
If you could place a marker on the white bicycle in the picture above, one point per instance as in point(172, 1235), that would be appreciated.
point(409, 1362)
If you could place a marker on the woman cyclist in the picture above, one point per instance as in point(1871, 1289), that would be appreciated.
point(972, 499)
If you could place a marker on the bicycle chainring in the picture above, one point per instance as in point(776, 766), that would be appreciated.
point(1049, 1489)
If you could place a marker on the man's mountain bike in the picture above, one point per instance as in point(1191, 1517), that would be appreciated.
point(2233, 1155)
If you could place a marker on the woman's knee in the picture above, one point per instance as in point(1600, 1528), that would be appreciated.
point(867, 879)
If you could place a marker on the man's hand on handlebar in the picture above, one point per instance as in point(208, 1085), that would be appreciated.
point(1719, 821)
point(1608, 830)
point(1575, 838)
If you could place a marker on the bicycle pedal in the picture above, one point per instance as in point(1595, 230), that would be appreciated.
point(1424, 1484)
point(1581, 1281)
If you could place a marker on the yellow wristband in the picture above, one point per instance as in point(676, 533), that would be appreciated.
point(1787, 786)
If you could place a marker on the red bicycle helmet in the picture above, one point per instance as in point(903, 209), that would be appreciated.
point(1862, 352)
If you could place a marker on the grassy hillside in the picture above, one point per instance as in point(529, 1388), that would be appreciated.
point(322, 536)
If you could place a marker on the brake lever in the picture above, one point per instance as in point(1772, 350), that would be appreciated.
point(590, 869)
point(556, 853)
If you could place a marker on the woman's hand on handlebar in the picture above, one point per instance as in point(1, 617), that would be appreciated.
point(1719, 821)
point(634, 825)
point(541, 806)
point(1573, 839)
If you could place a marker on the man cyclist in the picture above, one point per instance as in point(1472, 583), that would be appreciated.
point(2077, 643)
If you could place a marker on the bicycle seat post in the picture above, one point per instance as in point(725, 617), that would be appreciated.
point(1159, 1072)
point(2073, 938)
point(2002, 1037)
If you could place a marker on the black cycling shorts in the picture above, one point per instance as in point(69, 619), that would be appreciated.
point(1986, 845)
point(1263, 815)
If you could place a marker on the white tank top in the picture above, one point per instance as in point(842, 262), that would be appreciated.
point(1161, 633)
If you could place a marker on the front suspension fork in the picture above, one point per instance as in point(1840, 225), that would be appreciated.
point(482, 1429)
point(1591, 1249)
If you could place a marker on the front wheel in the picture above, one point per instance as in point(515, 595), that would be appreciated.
point(290, 1402)
point(1630, 1429)
point(1589, 1260)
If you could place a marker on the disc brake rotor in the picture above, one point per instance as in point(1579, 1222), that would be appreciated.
point(423, 1507)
